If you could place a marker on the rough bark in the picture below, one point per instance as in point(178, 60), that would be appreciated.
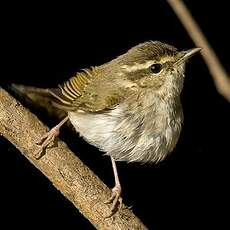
point(66, 171)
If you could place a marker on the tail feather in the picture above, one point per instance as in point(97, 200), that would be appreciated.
point(44, 97)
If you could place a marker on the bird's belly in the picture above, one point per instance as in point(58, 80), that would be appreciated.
point(127, 140)
point(95, 128)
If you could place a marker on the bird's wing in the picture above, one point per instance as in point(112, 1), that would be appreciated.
point(85, 92)
point(71, 90)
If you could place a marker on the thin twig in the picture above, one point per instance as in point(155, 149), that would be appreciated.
point(220, 76)
point(68, 174)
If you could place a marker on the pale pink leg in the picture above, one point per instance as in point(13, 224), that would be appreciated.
point(48, 138)
point(115, 198)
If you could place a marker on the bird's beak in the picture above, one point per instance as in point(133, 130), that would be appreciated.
point(185, 55)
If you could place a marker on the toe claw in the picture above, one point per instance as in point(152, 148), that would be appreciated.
point(110, 200)
point(38, 153)
point(48, 138)
point(42, 139)
point(115, 200)
point(45, 141)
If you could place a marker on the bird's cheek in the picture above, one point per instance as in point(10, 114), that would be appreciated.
point(143, 83)
point(151, 82)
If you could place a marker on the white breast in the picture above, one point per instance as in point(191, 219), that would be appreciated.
point(138, 136)
point(95, 128)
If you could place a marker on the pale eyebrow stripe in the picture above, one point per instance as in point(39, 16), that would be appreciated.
point(137, 66)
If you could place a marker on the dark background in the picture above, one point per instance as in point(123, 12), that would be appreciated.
point(43, 45)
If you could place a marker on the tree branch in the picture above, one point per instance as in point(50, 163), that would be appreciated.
point(217, 71)
point(67, 173)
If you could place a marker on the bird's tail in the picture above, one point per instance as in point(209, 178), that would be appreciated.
point(41, 98)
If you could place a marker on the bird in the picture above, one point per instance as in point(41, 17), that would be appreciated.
point(129, 107)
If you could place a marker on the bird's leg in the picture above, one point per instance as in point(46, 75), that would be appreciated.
point(115, 198)
point(48, 138)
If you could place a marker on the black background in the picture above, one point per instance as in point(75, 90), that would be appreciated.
point(43, 45)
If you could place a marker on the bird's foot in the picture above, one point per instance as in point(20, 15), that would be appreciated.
point(45, 141)
point(115, 199)
point(48, 138)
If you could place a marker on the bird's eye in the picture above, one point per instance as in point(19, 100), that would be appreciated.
point(156, 68)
